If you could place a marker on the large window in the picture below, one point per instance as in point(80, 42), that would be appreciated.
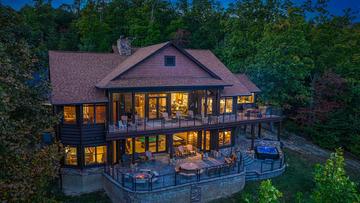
point(95, 155)
point(128, 146)
point(209, 105)
point(140, 144)
point(246, 99)
point(179, 103)
point(161, 143)
point(206, 140)
point(88, 113)
point(91, 116)
point(226, 105)
point(140, 105)
point(224, 138)
point(185, 138)
point(70, 156)
point(69, 115)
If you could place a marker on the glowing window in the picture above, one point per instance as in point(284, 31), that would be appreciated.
point(70, 156)
point(69, 115)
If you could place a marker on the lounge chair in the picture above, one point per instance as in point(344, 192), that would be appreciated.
point(121, 125)
point(191, 149)
point(166, 117)
point(150, 156)
point(124, 120)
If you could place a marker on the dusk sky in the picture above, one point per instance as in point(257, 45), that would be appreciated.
point(336, 7)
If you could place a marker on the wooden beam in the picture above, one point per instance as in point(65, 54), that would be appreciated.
point(279, 131)
point(252, 136)
point(259, 130)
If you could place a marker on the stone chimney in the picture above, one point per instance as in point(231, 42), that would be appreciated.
point(123, 45)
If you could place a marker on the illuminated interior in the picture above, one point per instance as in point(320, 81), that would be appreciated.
point(226, 105)
point(95, 155)
point(224, 138)
point(140, 105)
point(88, 113)
point(209, 105)
point(100, 113)
point(157, 105)
point(156, 143)
point(179, 103)
point(206, 140)
point(89, 116)
point(185, 138)
point(69, 115)
point(70, 156)
point(246, 99)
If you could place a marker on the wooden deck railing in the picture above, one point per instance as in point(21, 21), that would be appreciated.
point(140, 125)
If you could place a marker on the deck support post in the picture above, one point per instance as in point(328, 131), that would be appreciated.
point(252, 136)
point(259, 131)
point(279, 131)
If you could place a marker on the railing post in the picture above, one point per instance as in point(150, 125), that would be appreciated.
point(122, 179)
point(175, 179)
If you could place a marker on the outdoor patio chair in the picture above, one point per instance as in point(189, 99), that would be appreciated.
point(191, 114)
point(121, 125)
point(191, 149)
point(181, 151)
point(166, 117)
point(150, 156)
point(124, 120)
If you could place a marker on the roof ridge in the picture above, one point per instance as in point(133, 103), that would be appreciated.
point(127, 63)
point(80, 52)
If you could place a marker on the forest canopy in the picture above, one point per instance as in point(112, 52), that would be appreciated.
point(310, 67)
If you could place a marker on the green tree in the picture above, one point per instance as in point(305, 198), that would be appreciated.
point(27, 165)
point(331, 182)
point(268, 193)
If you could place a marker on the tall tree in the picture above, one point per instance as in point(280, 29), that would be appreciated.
point(27, 165)
point(331, 182)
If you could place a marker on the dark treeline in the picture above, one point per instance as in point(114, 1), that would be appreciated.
point(309, 67)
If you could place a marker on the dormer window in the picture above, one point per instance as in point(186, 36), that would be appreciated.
point(169, 60)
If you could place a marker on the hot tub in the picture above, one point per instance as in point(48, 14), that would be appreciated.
point(266, 152)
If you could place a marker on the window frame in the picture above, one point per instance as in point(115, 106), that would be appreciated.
point(223, 145)
point(167, 62)
point(65, 156)
point(75, 113)
point(96, 163)
point(94, 120)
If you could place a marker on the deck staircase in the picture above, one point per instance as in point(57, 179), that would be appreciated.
point(247, 159)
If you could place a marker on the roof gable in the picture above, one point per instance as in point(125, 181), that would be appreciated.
point(148, 62)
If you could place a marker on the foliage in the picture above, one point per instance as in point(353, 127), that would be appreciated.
point(268, 193)
point(27, 166)
point(332, 183)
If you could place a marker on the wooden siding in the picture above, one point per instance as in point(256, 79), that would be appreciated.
point(154, 67)
point(74, 135)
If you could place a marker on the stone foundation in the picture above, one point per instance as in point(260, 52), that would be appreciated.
point(203, 191)
point(76, 181)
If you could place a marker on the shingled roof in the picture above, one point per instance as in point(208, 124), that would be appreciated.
point(247, 82)
point(81, 77)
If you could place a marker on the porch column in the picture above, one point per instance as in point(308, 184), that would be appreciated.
point(133, 106)
point(109, 152)
point(110, 109)
point(252, 136)
point(259, 131)
point(133, 150)
point(199, 139)
point(170, 145)
point(279, 131)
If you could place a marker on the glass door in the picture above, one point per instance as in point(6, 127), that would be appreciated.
point(157, 106)
point(162, 106)
point(153, 108)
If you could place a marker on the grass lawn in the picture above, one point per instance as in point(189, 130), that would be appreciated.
point(298, 177)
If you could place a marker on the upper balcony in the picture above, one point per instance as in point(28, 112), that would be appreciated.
point(168, 124)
